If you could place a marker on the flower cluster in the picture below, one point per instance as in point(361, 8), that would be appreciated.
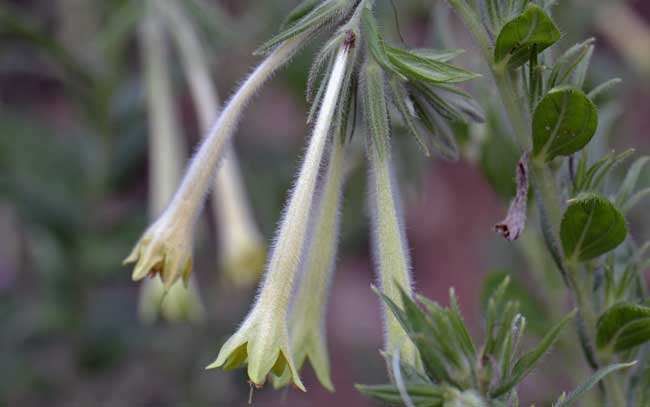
point(355, 70)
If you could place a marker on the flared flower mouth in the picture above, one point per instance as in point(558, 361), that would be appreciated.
point(164, 250)
point(263, 343)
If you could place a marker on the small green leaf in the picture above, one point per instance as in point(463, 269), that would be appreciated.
point(305, 7)
point(420, 394)
point(527, 362)
point(401, 100)
point(440, 55)
point(590, 382)
point(600, 93)
point(631, 178)
point(623, 326)
point(417, 327)
point(315, 19)
point(564, 122)
point(532, 30)
point(374, 105)
point(375, 41)
point(419, 68)
point(591, 226)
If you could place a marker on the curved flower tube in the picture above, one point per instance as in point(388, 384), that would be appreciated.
point(263, 338)
point(165, 248)
point(241, 247)
point(166, 152)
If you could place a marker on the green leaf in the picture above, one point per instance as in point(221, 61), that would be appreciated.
point(305, 7)
point(442, 137)
point(419, 68)
point(531, 31)
point(564, 122)
point(374, 106)
point(623, 326)
point(517, 291)
point(440, 55)
point(567, 401)
point(629, 183)
point(375, 41)
point(600, 93)
point(420, 394)
point(417, 327)
point(527, 362)
point(400, 100)
point(312, 21)
point(591, 226)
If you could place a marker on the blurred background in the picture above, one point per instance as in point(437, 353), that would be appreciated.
point(74, 198)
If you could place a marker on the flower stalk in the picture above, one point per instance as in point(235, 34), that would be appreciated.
point(263, 338)
point(165, 248)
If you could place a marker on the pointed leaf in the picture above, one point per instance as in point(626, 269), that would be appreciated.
point(527, 362)
point(318, 17)
point(591, 382)
point(416, 67)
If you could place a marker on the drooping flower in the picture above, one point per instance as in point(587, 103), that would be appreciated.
point(262, 341)
point(241, 247)
point(307, 316)
point(165, 248)
point(390, 249)
point(166, 156)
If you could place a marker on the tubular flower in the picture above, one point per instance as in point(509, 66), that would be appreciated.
point(166, 246)
point(263, 338)
point(166, 152)
point(241, 247)
point(307, 317)
point(390, 248)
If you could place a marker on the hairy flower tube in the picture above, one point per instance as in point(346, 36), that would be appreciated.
point(390, 248)
point(166, 152)
point(241, 247)
point(263, 338)
point(307, 315)
point(166, 246)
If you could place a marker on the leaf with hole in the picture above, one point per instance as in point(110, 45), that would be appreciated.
point(591, 226)
point(531, 31)
point(564, 122)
